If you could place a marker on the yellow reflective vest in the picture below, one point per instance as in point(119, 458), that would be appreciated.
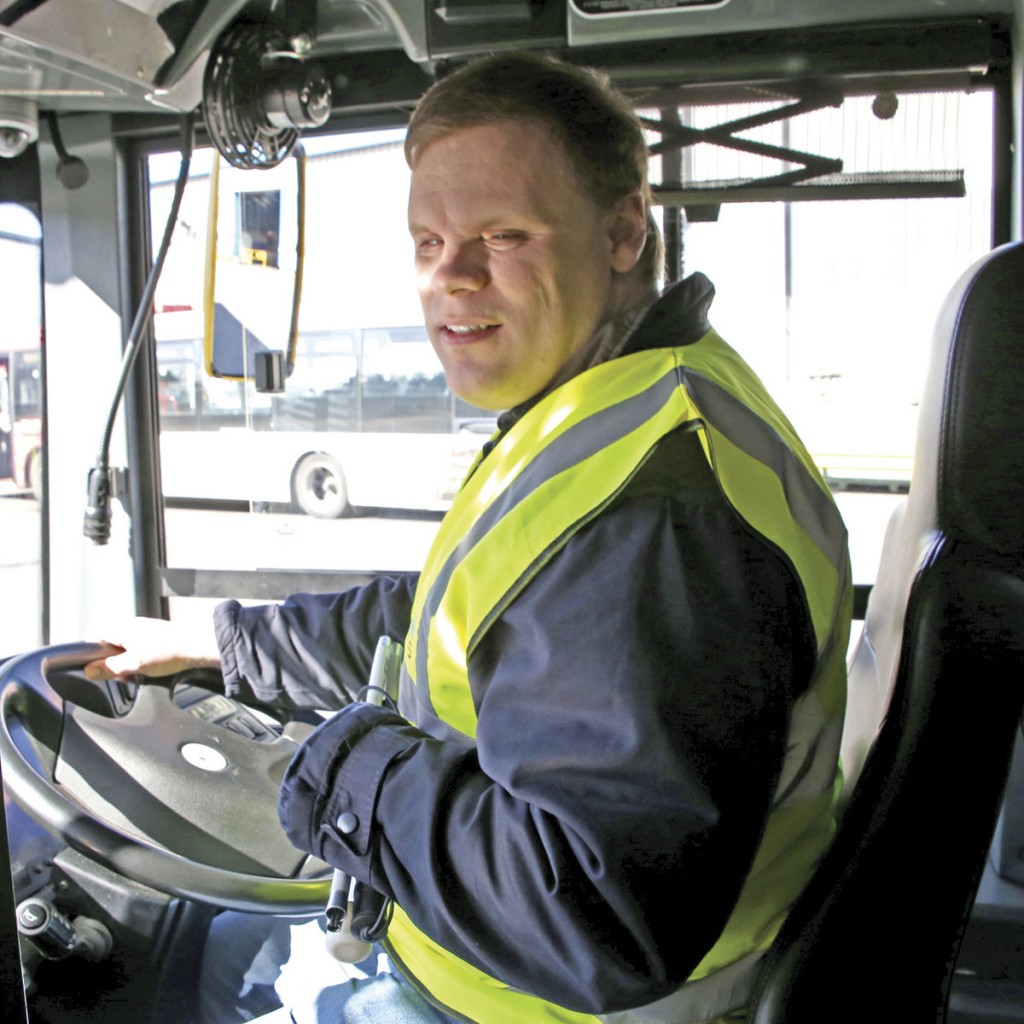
point(555, 470)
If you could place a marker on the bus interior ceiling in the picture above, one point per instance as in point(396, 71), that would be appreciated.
point(90, 88)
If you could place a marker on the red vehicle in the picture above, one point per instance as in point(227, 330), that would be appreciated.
point(21, 419)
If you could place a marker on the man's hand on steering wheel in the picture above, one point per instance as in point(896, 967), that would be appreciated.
point(182, 802)
point(155, 647)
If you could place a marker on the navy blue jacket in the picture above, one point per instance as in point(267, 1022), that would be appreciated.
point(632, 703)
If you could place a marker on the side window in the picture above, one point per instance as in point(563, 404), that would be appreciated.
point(833, 302)
point(21, 433)
point(830, 292)
point(351, 466)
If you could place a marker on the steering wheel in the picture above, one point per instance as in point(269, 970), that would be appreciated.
point(163, 795)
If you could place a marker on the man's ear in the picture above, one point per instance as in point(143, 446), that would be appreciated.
point(627, 230)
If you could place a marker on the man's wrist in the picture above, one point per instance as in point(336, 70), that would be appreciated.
point(329, 792)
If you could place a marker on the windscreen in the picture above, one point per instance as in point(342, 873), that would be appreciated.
point(831, 295)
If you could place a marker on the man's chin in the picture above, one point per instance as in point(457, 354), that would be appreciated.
point(490, 387)
point(481, 393)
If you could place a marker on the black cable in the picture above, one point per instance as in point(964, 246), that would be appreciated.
point(380, 927)
point(97, 513)
point(72, 172)
point(385, 698)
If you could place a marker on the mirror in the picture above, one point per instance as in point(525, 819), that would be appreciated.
point(253, 278)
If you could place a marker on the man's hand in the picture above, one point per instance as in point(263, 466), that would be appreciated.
point(155, 647)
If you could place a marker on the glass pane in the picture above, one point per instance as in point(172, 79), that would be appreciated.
point(353, 464)
point(833, 303)
point(21, 456)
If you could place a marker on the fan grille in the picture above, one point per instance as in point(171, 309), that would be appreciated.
point(233, 97)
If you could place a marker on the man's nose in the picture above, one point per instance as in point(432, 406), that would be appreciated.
point(462, 268)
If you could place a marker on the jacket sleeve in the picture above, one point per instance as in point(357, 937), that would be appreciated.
point(632, 706)
point(313, 650)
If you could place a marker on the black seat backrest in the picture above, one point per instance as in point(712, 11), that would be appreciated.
point(936, 687)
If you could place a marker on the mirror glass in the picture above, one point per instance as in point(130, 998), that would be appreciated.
point(254, 248)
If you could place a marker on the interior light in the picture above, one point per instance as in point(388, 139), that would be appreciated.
point(19, 125)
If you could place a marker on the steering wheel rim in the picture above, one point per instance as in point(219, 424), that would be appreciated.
point(23, 681)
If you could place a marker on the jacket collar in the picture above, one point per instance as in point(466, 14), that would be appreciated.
point(679, 316)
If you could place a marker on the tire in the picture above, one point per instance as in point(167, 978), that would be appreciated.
point(319, 486)
point(34, 473)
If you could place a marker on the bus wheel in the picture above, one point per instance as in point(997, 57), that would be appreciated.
point(319, 486)
point(34, 473)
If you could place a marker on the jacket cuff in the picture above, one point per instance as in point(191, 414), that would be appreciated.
point(330, 789)
point(225, 622)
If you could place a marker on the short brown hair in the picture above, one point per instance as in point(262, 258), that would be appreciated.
point(595, 123)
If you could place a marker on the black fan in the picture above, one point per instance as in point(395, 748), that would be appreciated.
point(258, 93)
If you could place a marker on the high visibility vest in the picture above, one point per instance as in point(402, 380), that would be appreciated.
point(554, 471)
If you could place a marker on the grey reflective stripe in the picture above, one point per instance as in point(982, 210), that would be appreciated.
point(811, 505)
point(415, 707)
point(719, 993)
point(578, 443)
point(811, 756)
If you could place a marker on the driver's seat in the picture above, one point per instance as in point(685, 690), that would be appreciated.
point(936, 690)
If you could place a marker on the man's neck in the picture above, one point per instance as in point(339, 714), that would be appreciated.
point(631, 296)
point(605, 343)
point(678, 317)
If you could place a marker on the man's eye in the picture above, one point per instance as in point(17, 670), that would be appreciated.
point(428, 244)
point(504, 238)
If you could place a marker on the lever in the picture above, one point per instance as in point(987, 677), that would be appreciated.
point(57, 936)
point(358, 915)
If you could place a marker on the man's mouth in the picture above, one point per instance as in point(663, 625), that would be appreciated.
point(468, 332)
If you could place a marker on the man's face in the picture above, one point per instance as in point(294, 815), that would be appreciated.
point(514, 262)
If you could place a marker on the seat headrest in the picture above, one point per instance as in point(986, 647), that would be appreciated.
point(970, 450)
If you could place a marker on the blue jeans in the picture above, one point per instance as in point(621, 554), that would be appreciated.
point(278, 970)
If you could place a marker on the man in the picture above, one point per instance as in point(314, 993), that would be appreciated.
point(624, 679)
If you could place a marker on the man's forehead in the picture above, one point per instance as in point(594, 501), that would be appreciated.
point(485, 188)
